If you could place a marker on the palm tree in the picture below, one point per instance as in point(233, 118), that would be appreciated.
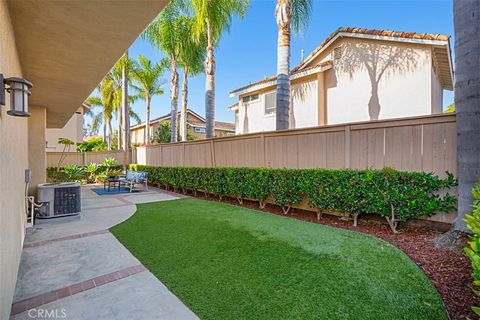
point(163, 33)
point(212, 17)
point(148, 83)
point(190, 59)
point(467, 101)
point(288, 14)
point(106, 101)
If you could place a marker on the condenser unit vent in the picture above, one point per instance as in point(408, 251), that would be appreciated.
point(59, 199)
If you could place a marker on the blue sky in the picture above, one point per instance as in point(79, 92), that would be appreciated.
point(248, 52)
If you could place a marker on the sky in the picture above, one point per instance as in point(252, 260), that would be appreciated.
point(247, 52)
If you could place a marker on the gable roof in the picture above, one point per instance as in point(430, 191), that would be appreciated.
point(440, 43)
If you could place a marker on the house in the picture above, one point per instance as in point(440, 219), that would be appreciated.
point(72, 130)
point(355, 75)
point(48, 44)
point(195, 127)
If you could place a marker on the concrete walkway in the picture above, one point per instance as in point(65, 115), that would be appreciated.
point(78, 270)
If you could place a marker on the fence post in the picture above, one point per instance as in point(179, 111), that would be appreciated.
point(347, 147)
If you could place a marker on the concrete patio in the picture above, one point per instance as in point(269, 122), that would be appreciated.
point(78, 270)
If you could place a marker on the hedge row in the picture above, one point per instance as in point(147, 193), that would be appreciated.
point(396, 196)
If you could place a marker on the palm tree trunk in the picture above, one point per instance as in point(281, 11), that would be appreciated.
point(283, 17)
point(210, 86)
point(467, 102)
point(147, 122)
point(174, 101)
point(109, 134)
point(183, 114)
point(120, 120)
point(126, 114)
point(105, 131)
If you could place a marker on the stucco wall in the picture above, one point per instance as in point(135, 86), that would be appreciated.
point(73, 130)
point(13, 162)
point(375, 80)
point(369, 80)
point(437, 93)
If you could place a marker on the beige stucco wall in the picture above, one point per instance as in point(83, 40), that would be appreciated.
point(73, 130)
point(36, 147)
point(13, 161)
point(403, 74)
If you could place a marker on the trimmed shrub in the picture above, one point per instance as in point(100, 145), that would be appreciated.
point(473, 249)
point(396, 196)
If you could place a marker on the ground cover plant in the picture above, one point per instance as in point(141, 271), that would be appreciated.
point(394, 195)
point(93, 172)
point(227, 262)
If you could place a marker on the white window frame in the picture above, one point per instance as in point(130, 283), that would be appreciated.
point(274, 110)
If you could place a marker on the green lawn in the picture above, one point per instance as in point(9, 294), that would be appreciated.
point(227, 262)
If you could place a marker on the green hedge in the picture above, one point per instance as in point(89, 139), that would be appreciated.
point(396, 196)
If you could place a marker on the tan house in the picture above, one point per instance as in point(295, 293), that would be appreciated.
point(195, 127)
point(47, 43)
point(72, 130)
point(355, 75)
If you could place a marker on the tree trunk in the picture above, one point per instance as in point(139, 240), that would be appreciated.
point(210, 86)
point(467, 102)
point(126, 114)
point(174, 101)
point(110, 134)
point(120, 121)
point(105, 131)
point(283, 16)
point(183, 114)
point(147, 122)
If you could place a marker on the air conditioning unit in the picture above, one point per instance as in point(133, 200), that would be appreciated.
point(59, 199)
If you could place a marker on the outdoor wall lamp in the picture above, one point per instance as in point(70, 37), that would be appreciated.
point(19, 90)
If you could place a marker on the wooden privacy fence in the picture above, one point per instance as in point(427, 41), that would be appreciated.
point(84, 158)
point(425, 143)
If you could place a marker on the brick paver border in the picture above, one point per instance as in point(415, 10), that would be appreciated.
point(44, 298)
point(75, 236)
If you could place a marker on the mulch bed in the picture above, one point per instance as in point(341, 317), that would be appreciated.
point(449, 270)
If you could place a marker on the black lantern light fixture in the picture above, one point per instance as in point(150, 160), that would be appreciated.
point(19, 90)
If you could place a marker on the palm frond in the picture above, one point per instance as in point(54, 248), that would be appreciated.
point(301, 11)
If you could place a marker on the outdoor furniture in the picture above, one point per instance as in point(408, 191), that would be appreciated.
point(110, 181)
point(135, 177)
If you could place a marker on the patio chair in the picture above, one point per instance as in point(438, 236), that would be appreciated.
point(135, 177)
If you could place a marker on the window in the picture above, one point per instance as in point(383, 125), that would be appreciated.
point(249, 98)
point(199, 130)
point(270, 103)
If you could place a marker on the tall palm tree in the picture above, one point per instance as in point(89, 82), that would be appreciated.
point(106, 101)
point(288, 14)
point(467, 102)
point(163, 33)
point(212, 17)
point(148, 83)
point(190, 59)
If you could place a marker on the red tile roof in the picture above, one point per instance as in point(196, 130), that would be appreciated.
point(383, 33)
